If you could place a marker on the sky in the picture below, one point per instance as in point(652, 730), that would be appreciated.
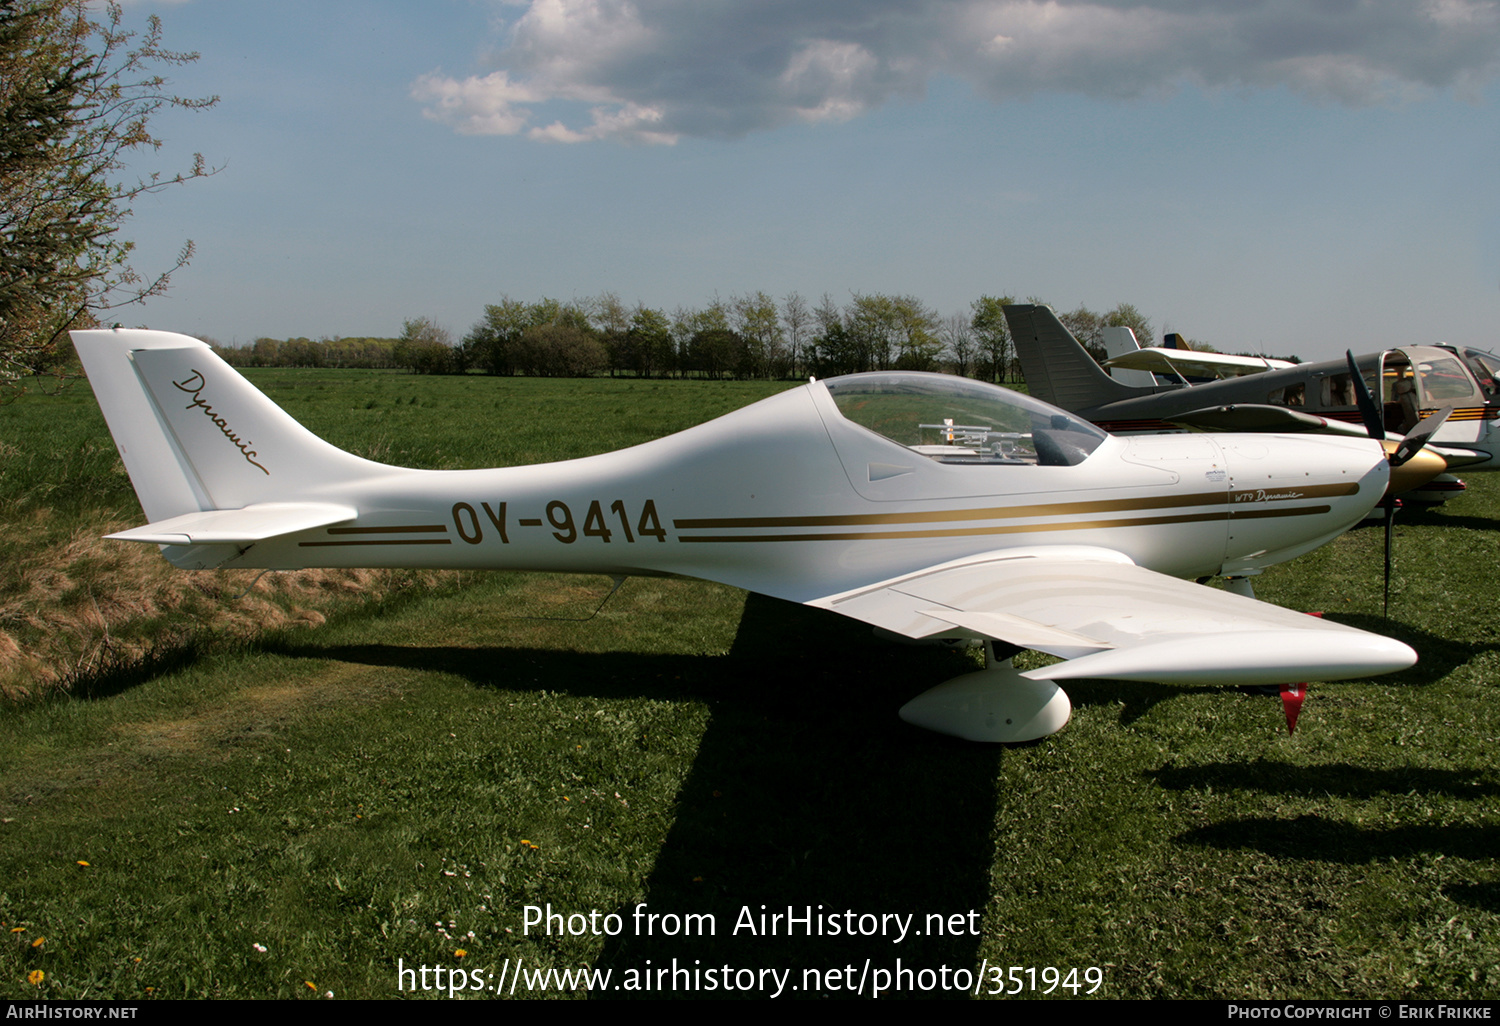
point(1286, 176)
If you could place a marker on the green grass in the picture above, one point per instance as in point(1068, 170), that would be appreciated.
point(371, 792)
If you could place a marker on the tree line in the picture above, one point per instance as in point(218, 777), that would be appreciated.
point(746, 336)
point(376, 353)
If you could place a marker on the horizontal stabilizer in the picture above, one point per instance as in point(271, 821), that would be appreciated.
point(254, 523)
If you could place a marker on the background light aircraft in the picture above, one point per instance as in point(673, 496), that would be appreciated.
point(1174, 363)
point(1411, 383)
point(930, 506)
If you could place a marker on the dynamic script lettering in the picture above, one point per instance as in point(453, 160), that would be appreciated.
point(1262, 495)
point(194, 387)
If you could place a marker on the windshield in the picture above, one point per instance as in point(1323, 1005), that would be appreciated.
point(962, 421)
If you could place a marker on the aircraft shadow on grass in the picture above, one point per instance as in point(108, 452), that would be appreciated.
point(1439, 516)
point(805, 790)
point(1324, 839)
point(1344, 780)
point(1320, 839)
point(1485, 896)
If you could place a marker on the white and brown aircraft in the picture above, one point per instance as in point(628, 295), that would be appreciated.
point(1132, 364)
point(931, 506)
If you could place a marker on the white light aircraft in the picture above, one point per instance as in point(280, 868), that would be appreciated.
point(1138, 366)
point(931, 506)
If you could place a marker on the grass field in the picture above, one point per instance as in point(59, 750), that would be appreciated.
point(234, 812)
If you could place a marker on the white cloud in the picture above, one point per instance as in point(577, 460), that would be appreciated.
point(655, 70)
point(491, 105)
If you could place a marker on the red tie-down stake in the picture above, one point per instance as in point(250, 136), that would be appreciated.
point(1291, 699)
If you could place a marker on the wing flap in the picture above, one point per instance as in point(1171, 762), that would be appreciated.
point(251, 524)
point(1018, 630)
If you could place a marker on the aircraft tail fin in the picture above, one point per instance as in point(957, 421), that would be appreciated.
point(196, 436)
point(1117, 342)
point(1058, 370)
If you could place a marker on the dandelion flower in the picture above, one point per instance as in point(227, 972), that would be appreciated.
point(82, 863)
point(309, 984)
point(460, 953)
point(39, 942)
point(35, 977)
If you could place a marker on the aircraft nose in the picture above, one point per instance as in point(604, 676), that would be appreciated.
point(1300, 492)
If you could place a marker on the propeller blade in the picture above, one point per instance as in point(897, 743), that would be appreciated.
point(1374, 422)
point(1413, 442)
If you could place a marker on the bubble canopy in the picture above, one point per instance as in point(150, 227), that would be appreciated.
point(962, 421)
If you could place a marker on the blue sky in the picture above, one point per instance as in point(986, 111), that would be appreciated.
point(1302, 177)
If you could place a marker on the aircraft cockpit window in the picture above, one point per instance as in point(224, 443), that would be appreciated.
point(961, 421)
point(1444, 379)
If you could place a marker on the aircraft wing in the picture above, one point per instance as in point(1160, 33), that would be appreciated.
point(1109, 618)
point(1190, 362)
point(253, 523)
point(1246, 417)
